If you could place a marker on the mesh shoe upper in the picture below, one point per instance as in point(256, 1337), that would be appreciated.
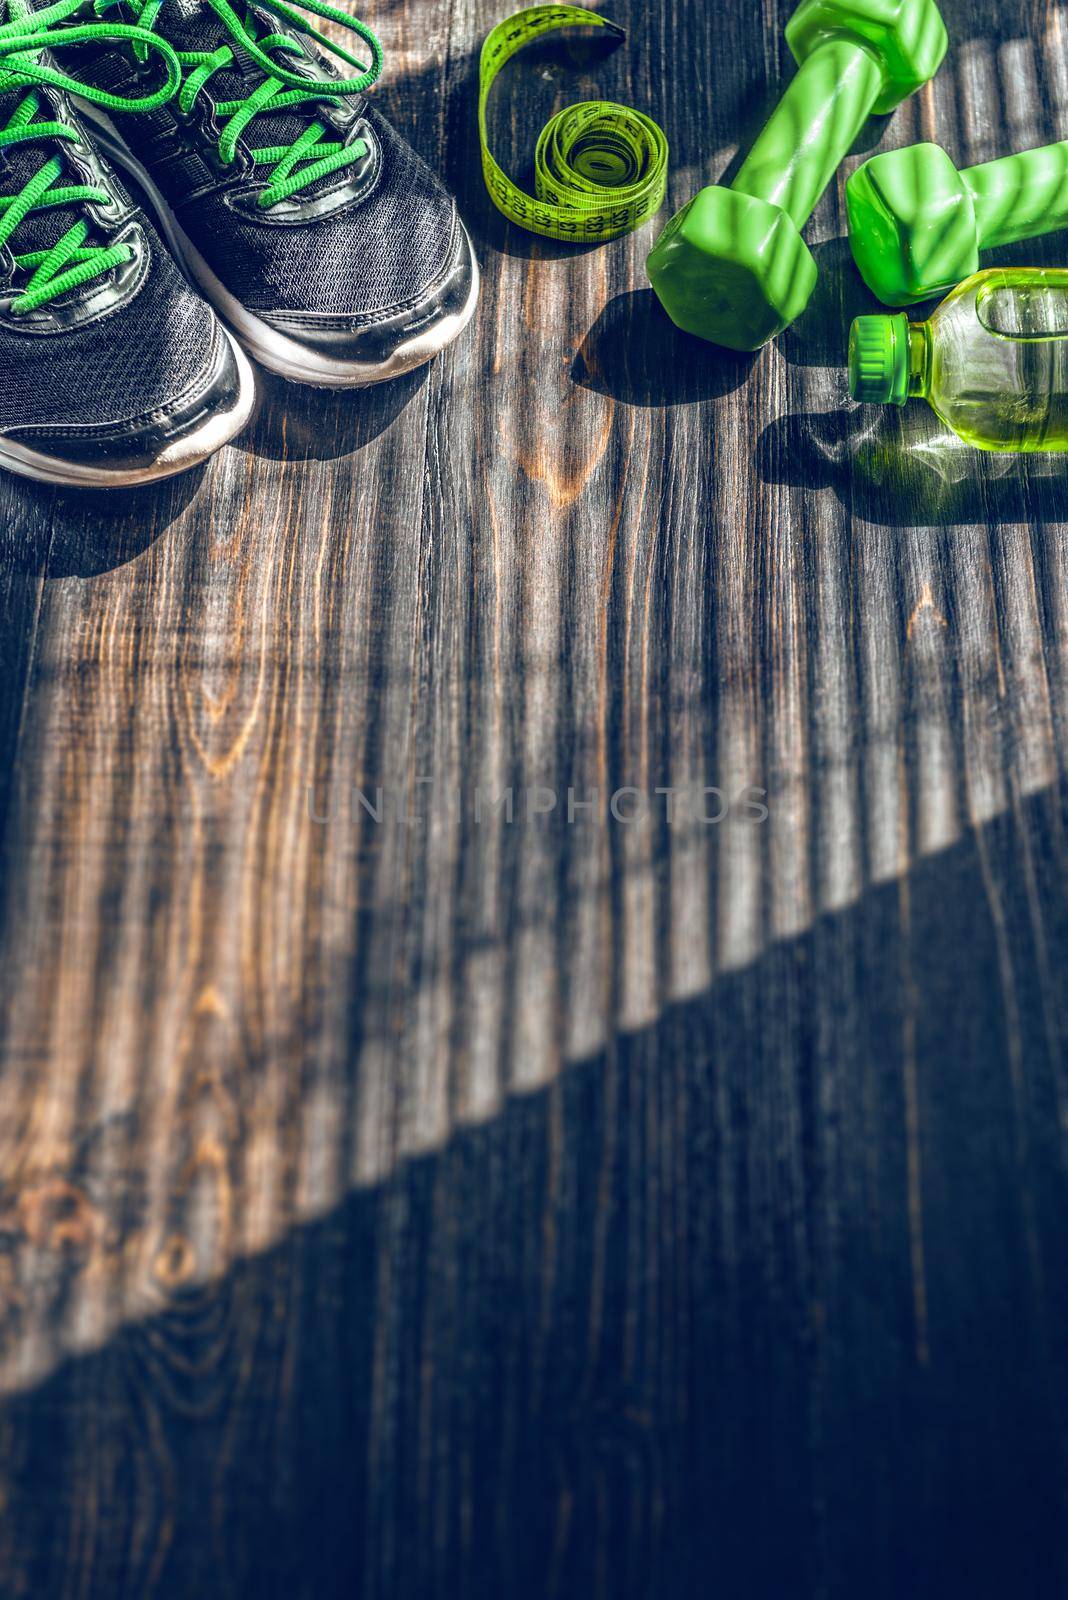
point(130, 339)
point(147, 350)
point(375, 255)
point(362, 242)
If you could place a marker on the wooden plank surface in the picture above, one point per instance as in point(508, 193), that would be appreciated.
point(452, 1202)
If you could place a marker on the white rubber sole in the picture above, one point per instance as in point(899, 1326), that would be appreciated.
point(178, 456)
point(265, 344)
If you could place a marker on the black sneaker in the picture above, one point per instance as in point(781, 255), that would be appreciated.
point(115, 371)
point(318, 234)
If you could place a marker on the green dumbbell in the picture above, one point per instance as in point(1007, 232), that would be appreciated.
point(916, 224)
point(731, 266)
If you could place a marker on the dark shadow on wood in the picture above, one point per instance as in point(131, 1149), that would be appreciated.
point(635, 354)
point(324, 424)
point(688, 1311)
point(820, 336)
point(53, 532)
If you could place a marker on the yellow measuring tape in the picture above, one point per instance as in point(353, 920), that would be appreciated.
point(600, 169)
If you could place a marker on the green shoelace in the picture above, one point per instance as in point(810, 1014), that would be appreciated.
point(311, 155)
point(70, 261)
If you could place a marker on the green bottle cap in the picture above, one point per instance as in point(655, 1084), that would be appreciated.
point(879, 359)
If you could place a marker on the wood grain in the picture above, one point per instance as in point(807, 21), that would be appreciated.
point(402, 1197)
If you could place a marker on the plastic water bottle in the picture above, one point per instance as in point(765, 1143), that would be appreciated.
point(992, 360)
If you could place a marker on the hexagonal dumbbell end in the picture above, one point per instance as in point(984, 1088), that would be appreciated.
point(732, 269)
point(912, 224)
point(908, 37)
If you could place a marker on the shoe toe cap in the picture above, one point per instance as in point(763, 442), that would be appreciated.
point(378, 339)
point(174, 435)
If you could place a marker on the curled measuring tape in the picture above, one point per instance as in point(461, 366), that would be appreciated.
point(600, 169)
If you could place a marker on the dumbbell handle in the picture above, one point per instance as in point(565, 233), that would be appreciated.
point(1020, 196)
point(813, 126)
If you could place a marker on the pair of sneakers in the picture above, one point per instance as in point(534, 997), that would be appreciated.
point(317, 240)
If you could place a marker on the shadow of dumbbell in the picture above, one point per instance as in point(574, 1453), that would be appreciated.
point(635, 355)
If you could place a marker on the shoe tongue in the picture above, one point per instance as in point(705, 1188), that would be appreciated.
point(192, 25)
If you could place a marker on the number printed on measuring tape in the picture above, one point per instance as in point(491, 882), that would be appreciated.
point(599, 169)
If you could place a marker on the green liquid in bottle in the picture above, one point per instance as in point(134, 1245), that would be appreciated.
point(992, 361)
